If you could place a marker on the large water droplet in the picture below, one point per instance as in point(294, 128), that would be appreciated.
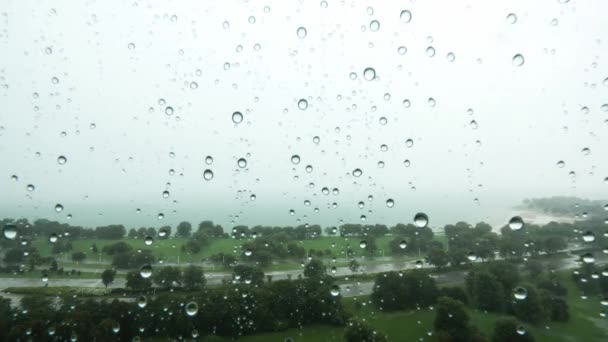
point(363, 244)
point(166, 194)
point(421, 220)
point(145, 271)
point(242, 163)
point(142, 301)
point(521, 330)
point(169, 111)
point(53, 238)
point(335, 290)
point(191, 309)
point(516, 223)
point(58, 208)
point(10, 231)
point(148, 240)
point(61, 160)
point(374, 25)
point(390, 203)
point(402, 244)
point(588, 236)
point(295, 159)
point(430, 51)
point(520, 293)
point(357, 172)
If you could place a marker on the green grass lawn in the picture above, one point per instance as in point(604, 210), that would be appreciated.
point(585, 323)
point(170, 250)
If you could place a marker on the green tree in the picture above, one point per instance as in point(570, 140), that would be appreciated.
point(136, 282)
point(505, 330)
point(315, 269)
point(107, 277)
point(248, 275)
point(184, 229)
point(452, 319)
point(438, 257)
point(393, 291)
point(531, 309)
point(78, 256)
point(354, 266)
point(168, 276)
point(193, 277)
point(485, 290)
point(359, 331)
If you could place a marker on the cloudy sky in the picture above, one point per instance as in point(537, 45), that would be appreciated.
point(127, 91)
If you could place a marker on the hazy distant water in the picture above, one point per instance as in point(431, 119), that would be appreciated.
point(441, 208)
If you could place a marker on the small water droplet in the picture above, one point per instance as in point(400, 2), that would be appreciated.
point(390, 203)
point(357, 172)
point(237, 117)
point(374, 25)
point(369, 74)
point(518, 60)
point(191, 309)
point(405, 16)
point(511, 18)
point(302, 32)
point(208, 174)
point(242, 163)
point(430, 51)
point(58, 208)
point(169, 110)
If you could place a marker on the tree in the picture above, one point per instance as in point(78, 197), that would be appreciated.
point(438, 257)
point(184, 229)
point(248, 275)
point(452, 319)
point(506, 330)
point(485, 290)
point(136, 282)
point(107, 277)
point(13, 256)
point(400, 291)
point(531, 309)
point(455, 292)
point(554, 244)
point(315, 269)
point(168, 276)
point(78, 256)
point(193, 277)
point(353, 265)
point(359, 331)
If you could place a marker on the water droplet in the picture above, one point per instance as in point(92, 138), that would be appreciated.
point(374, 25)
point(390, 203)
point(369, 74)
point(166, 194)
point(357, 172)
point(471, 256)
point(323, 4)
point(406, 103)
point(363, 244)
point(586, 151)
point(516, 223)
point(160, 216)
point(193, 85)
point(163, 232)
point(237, 117)
point(405, 16)
point(450, 57)
point(10, 231)
point(55, 80)
point(242, 163)
point(208, 175)
point(248, 252)
point(142, 301)
point(169, 110)
point(316, 140)
point(148, 240)
point(402, 244)
point(431, 101)
point(588, 258)
point(518, 60)
point(561, 164)
point(53, 238)
point(301, 32)
point(58, 208)
point(191, 309)
point(252, 197)
point(521, 330)
point(406, 163)
point(473, 124)
point(115, 327)
point(588, 236)
point(308, 168)
point(430, 51)
point(511, 18)
point(209, 160)
point(30, 187)
point(418, 264)
point(335, 290)
point(295, 159)
point(62, 160)
point(421, 220)
point(409, 143)
point(302, 104)
point(251, 20)
point(520, 293)
point(131, 46)
point(145, 271)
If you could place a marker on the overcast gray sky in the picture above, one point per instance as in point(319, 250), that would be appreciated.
point(67, 66)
